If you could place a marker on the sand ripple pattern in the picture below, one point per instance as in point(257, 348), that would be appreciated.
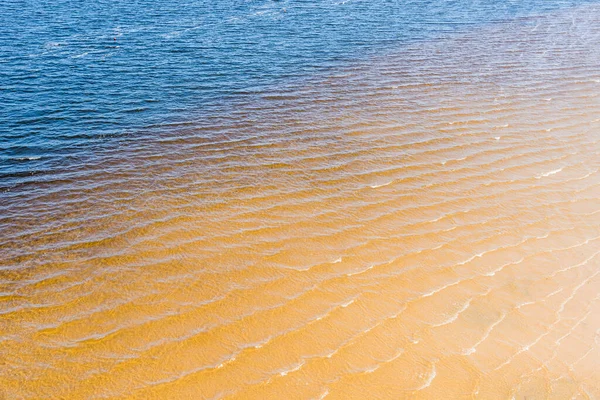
point(423, 224)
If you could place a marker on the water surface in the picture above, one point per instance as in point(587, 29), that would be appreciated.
point(291, 200)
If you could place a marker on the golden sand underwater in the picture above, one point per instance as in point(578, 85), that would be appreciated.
point(422, 224)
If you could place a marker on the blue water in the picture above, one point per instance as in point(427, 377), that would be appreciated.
point(80, 76)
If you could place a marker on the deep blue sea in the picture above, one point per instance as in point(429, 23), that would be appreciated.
point(79, 76)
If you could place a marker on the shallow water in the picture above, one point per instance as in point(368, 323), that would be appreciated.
point(419, 220)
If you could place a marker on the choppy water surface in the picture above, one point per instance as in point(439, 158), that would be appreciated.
point(406, 207)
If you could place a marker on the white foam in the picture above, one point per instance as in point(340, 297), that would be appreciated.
point(81, 55)
point(428, 294)
point(468, 352)
point(553, 172)
point(346, 304)
point(296, 368)
point(492, 273)
point(526, 303)
point(437, 219)
point(414, 340)
point(389, 360)
point(224, 363)
point(29, 158)
point(360, 271)
point(331, 354)
point(429, 379)
point(454, 316)
point(381, 185)
point(553, 293)
point(473, 257)
point(371, 370)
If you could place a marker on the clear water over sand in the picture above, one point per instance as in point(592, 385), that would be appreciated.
point(423, 222)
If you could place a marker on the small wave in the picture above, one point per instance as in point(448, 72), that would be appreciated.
point(29, 158)
point(492, 273)
point(224, 363)
point(429, 379)
point(360, 271)
point(454, 316)
point(453, 160)
point(553, 172)
point(346, 304)
point(586, 175)
point(371, 370)
point(487, 333)
point(381, 185)
point(293, 369)
point(81, 55)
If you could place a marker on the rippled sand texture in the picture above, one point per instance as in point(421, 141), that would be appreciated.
point(422, 224)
